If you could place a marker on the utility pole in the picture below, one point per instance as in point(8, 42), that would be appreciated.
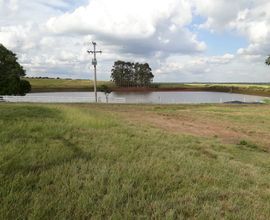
point(94, 63)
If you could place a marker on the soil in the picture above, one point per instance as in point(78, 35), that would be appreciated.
point(226, 131)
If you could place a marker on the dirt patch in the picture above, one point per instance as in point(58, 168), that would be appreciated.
point(185, 125)
point(200, 126)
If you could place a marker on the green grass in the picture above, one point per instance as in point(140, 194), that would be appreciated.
point(252, 89)
point(91, 161)
point(267, 101)
point(63, 85)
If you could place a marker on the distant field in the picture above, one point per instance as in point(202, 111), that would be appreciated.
point(58, 85)
point(252, 89)
point(134, 161)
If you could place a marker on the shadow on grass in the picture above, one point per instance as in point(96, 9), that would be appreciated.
point(12, 168)
point(15, 112)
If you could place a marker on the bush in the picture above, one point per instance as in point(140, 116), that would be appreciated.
point(25, 87)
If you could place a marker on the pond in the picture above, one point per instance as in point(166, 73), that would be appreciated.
point(136, 97)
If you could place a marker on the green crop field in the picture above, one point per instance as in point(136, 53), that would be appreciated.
point(134, 161)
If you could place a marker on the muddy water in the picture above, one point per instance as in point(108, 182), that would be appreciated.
point(136, 97)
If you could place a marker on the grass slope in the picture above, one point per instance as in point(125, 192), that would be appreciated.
point(124, 162)
point(62, 85)
point(252, 89)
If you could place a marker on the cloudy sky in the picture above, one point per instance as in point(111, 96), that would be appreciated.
point(183, 40)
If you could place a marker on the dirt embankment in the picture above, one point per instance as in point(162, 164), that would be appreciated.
point(247, 91)
point(145, 89)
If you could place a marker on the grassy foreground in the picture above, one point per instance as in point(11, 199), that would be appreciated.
point(129, 162)
point(65, 85)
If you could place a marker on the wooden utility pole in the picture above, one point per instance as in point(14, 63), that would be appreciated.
point(94, 63)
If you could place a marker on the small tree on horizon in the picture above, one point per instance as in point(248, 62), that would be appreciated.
point(107, 91)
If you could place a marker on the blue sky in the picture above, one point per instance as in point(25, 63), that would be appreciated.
point(182, 40)
point(222, 43)
point(218, 42)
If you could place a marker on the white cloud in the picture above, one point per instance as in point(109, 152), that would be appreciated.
point(251, 19)
point(140, 27)
point(21, 37)
point(123, 18)
point(219, 13)
point(51, 37)
point(226, 68)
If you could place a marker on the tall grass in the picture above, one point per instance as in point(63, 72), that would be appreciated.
point(85, 161)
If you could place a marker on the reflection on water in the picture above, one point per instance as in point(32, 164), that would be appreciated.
point(136, 97)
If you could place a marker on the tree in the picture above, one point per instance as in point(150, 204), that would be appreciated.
point(107, 91)
point(146, 77)
point(10, 74)
point(25, 87)
point(118, 73)
point(132, 74)
point(267, 61)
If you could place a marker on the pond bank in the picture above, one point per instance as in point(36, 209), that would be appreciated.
point(68, 85)
point(201, 88)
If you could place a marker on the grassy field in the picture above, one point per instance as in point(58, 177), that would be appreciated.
point(134, 161)
point(252, 89)
point(62, 85)
point(58, 85)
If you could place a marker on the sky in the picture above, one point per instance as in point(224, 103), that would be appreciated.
point(182, 40)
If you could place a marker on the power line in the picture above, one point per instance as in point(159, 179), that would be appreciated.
point(94, 63)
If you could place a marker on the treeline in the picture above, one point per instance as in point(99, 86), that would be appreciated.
point(128, 74)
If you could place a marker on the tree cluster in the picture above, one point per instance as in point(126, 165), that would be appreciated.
point(10, 74)
point(127, 74)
